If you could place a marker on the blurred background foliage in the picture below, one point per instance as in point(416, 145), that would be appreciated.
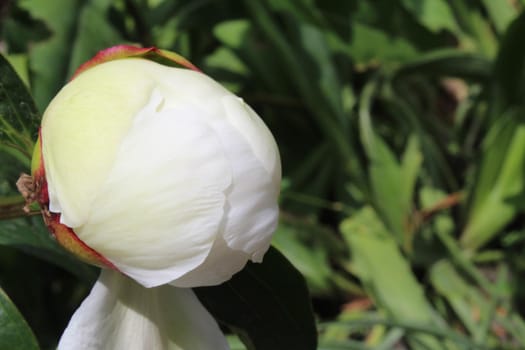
point(401, 125)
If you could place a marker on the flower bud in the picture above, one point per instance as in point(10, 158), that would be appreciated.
point(156, 171)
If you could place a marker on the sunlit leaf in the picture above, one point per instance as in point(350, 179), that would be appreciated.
point(386, 274)
point(500, 187)
point(466, 301)
point(371, 46)
point(501, 13)
point(392, 181)
point(436, 15)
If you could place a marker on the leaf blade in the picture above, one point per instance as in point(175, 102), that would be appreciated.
point(14, 330)
point(283, 320)
point(18, 115)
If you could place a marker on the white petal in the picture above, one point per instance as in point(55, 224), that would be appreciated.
point(255, 133)
point(120, 314)
point(219, 266)
point(252, 208)
point(162, 205)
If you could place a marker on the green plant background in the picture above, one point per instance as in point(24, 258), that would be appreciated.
point(401, 126)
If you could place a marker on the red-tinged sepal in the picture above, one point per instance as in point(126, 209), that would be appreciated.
point(67, 238)
point(127, 51)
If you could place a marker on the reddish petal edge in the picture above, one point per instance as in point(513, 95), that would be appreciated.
point(68, 239)
point(64, 235)
point(127, 51)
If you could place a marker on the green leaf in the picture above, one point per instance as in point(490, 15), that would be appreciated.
point(49, 59)
point(436, 15)
point(93, 33)
point(226, 59)
point(392, 181)
point(447, 62)
point(410, 166)
point(436, 161)
point(508, 87)
point(371, 46)
point(473, 22)
point(501, 13)
point(500, 186)
point(33, 238)
point(398, 328)
point(19, 30)
point(386, 274)
point(18, 116)
point(310, 259)
point(295, 68)
point(462, 297)
point(232, 33)
point(79, 28)
point(238, 36)
point(14, 331)
point(315, 44)
point(267, 304)
point(389, 197)
point(20, 65)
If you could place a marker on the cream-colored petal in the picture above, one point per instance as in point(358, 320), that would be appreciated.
point(185, 86)
point(161, 207)
point(82, 129)
point(120, 314)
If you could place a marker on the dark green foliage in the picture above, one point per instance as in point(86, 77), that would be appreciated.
point(266, 308)
point(14, 331)
point(18, 117)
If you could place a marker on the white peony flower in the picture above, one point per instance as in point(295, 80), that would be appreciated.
point(158, 173)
